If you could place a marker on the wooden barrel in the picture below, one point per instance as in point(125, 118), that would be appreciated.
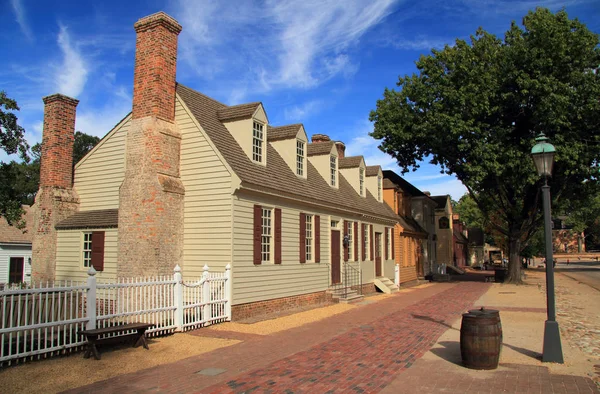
point(481, 339)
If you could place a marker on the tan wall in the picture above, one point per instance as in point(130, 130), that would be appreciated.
point(241, 130)
point(100, 174)
point(69, 258)
point(352, 176)
point(207, 205)
point(321, 163)
point(371, 185)
point(268, 281)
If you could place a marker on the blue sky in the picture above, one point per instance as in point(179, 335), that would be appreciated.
point(323, 63)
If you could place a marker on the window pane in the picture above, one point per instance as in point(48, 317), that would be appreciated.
point(257, 141)
point(333, 165)
point(300, 158)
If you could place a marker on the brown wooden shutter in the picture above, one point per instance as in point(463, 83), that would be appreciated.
point(362, 241)
point(302, 237)
point(98, 250)
point(317, 239)
point(346, 248)
point(372, 244)
point(387, 243)
point(393, 245)
point(277, 236)
point(257, 234)
point(356, 241)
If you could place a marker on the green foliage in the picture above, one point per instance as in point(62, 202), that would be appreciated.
point(469, 212)
point(475, 109)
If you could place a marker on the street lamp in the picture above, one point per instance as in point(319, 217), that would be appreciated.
point(543, 157)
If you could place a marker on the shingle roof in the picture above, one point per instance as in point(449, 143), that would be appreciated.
point(402, 183)
point(460, 237)
point(11, 234)
point(350, 161)
point(320, 148)
point(234, 112)
point(283, 132)
point(440, 200)
point(387, 184)
point(372, 170)
point(102, 218)
point(276, 176)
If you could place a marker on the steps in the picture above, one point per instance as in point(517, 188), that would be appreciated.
point(345, 296)
point(385, 285)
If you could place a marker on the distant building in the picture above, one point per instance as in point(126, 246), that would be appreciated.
point(15, 252)
point(565, 239)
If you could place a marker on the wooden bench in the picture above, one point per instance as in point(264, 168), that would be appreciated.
point(138, 337)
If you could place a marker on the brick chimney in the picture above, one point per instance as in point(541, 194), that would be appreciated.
point(151, 195)
point(55, 199)
point(341, 149)
point(316, 138)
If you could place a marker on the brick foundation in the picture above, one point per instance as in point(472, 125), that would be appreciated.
point(252, 309)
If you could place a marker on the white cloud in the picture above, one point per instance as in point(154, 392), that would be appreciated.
point(276, 44)
point(362, 144)
point(299, 113)
point(451, 186)
point(71, 75)
point(98, 121)
point(19, 10)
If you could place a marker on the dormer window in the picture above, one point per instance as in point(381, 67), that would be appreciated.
point(333, 166)
point(361, 181)
point(300, 157)
point(378, 188)
point(257, 142)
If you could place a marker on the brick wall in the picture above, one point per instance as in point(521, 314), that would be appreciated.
point(252, 309)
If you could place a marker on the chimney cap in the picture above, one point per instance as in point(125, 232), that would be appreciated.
point(60, 97)
point(158, 19)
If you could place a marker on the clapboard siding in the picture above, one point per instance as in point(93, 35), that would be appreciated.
point(207, 207)
point(69, 264)
point(100, 174)
point(8, 251)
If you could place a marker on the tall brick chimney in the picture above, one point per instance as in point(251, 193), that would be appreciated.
point(151, 195)
point(56, 199)
point(341, 149)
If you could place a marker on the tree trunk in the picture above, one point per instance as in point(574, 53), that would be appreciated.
point(514, 258)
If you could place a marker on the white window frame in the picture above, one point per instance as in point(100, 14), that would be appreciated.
point(379, 187)
point(300, 156)
point(333, 170)
point(309, 238)
point(366, 241)
point(258, 142)
point(350, 241)
point(266, 235)
point(361, 181)
point(86, 249)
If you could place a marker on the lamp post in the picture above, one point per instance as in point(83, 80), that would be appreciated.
point(543, 157)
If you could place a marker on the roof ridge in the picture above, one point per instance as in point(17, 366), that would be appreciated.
point(200, 93)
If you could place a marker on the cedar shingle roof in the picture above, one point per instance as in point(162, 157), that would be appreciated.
point(320, 148)
point(372, 170)
point(350, 161)
point(387, 184)
point(11, 234)
point(102, 218)
point(276, 176)
point(460, 237)
point(236, 112)
point(283, 132)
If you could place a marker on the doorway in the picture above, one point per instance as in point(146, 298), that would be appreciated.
point(336, 274)
point(378, 255)
point(16, 270)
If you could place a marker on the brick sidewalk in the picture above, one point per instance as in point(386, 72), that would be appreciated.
point(363, 350)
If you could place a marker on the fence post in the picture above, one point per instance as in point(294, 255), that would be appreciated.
point(91, 299)
point(178, 298)
point(228, 291)
point(206, 315)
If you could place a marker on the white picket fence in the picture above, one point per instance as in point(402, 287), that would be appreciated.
point(43, 321)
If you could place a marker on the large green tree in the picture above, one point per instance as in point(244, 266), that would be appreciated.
point(12, 141)
point(475, 108)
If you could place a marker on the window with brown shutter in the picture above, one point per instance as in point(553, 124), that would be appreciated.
point(302, 237)
point(346, 247)
point(372, 244)
point(277, 236)
point(387, 242)
point(317, 239)
point(98, 250)
point(393, 244)
point(356, 241)
point(257, 234)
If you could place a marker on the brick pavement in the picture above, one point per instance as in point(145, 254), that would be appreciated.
point(374, 347)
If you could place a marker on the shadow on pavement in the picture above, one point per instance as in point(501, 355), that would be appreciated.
point(429, 318)
point(450, 351)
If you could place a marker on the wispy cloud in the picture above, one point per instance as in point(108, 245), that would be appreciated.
point(452, 186)
point(303, 111)
point(71, 75)
point(361, 144)
point(276, 44)
point(21, 15)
